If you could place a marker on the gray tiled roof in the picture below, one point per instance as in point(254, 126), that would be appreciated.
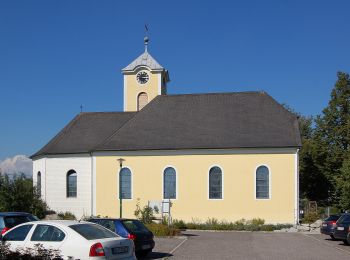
point(85, 132)
point(194, 121)
point(145, 59)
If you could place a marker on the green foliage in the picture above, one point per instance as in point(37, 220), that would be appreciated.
point(19, 194)
point(66, 216)
point(145, 215)
point(332, 138)
point(343, 182)
point(163, 230)
point(179, 224)
point(310, 218)
point(256, 224)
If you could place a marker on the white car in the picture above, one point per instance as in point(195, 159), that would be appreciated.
point(74, 240)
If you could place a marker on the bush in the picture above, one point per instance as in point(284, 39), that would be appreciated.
point(163, 230)
point(145, 215)
point(19, 194)
point(310, 218)
point(256, 224)
point(66, 216)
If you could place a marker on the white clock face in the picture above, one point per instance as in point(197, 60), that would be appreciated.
point(142, 77)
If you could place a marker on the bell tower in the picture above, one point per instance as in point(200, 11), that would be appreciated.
point(144, 79)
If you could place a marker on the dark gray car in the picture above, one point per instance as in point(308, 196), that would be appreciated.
point(342, 229)
point(9, 220)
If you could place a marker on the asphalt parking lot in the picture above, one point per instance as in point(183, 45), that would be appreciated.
point(249, 245)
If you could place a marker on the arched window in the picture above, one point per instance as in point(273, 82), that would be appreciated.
point(215, 183)
point(262, 182)
point(38, 183)
point(142, 100)
point(169, 183)
point(72, 184)
point(125, 183)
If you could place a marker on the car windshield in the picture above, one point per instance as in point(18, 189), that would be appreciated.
point(344, 219)
point(332, 218)
point(92, 231)
point(12, 221)
point(134, 226)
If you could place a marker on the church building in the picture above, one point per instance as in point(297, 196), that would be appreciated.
point(215, 155)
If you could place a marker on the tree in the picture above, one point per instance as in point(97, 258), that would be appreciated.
point(19, 194)
point(344, 184)
point(332, 136)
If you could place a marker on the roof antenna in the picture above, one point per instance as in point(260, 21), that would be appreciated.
point(146, 39)
point(81, 108)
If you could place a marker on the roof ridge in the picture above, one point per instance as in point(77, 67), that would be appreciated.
point(217, 93)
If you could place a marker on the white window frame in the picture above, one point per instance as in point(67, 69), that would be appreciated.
point(132, 183)
point(68, 197)
point(270, 184)
point(176, 182)
point(222, 182)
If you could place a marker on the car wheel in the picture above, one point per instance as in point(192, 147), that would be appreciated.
point(332, 237)
point(346, 242)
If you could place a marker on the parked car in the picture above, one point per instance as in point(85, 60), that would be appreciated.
point(74, 239)
point(132, 229)
point(329, 224)
point(9, 220)
point(341, 231)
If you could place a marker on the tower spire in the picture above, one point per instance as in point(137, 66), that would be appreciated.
point(146, 39)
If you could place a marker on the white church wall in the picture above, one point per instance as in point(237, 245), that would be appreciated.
point(54, 183)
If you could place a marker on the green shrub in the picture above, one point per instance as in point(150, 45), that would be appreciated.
point(19, 194)
point(145, 215)
point(66, 216)
point(179, 224)
point(310, 218)
point(256, 224)
point(163, 230)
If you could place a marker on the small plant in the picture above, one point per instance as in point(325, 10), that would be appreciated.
point(163, 230)
point(66, 216)
point(310, 218)
point(145, 215)
point(179, 224)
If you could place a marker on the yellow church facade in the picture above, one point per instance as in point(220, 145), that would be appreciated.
point(192, 201)
point(227, 156)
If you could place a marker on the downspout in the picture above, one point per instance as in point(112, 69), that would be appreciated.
point(297, 186)
point(92, 184)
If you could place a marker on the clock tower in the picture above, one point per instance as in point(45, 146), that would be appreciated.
point(144, 79)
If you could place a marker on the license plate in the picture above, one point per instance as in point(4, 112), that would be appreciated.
point(324, 225)
point(340, 228)
point(146, 247)
point(120, 250)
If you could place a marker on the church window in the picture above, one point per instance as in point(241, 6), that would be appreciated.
point(38, 183)
point(72, 184)
point(262, 183)
point(125, 183)
point(215, 183)
point(169, 183)
point(142, 100)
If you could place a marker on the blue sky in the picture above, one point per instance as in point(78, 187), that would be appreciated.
point(57, 55)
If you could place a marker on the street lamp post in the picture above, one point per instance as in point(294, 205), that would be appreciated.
point(120, 160)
